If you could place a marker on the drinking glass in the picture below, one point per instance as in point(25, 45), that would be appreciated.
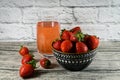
point(48, 30)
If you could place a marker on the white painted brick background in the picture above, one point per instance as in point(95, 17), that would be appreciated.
point(18, 18)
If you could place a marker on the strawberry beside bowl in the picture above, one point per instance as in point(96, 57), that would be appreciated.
point(74, 62)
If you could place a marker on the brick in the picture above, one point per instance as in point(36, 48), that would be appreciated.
point(34, 29)
point(66, 26)
point(108, 32)
point(62, 26)
point(86, 2)
point(116, 2)
point(15, 32)
point(6, 3)
point(114, 32)
point(32, 15)
point(94, 29)
point(109, 15)
point(23, 3)
point(85, 14)
point(28, 3)
point(10, 15)
point(102, 31)
point(46, 3)
point(16, 3)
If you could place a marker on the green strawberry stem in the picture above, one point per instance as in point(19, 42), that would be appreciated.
point(31, 54)
point(80, 36)
point(47, 63)
point(63, 30)
point(33, 63)
point(21, 46)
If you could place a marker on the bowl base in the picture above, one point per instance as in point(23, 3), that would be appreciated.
point(73, 67)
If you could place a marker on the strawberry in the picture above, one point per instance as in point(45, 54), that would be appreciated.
point(65, 35)
point(66, 46)
point(75, 30)
point(57, 45)
point(86, 37)
point(92, 42)
point(27, 58)
point(23, 51)
point(81, 48)
point(73, 37)
point(45, 63)
point(26, 70)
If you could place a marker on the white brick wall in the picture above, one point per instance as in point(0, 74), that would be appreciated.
point(32, 15)
point(85, 2)
point(86, 14)
point(18, 18)
point(10, 15)
point(15, 32)
point(16, 3)
point(50, 3)
point(111, 14)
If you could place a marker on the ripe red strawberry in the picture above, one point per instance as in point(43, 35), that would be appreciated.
point(75, 30)
point(45, 63)
point(73, 37)
point(66, 46)
point(57, 45)
point(85, 38)
point(81, 48)
point(65, 35)
point(26, 70)
point(92, 42)
point(23, 51)
point(27, 58)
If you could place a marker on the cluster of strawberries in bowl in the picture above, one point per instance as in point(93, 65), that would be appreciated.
point(75, 41)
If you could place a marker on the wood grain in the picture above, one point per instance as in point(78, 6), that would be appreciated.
point(105, 66)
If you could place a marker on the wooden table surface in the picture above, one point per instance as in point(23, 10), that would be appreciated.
point(105, 66)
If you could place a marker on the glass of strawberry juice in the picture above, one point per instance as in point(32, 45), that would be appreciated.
point(47, 31)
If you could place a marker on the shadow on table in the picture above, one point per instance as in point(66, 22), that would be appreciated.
point(53, 69)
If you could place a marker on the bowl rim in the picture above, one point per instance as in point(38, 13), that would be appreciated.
point(66, 53)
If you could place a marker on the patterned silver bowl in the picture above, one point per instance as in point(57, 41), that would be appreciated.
point(72, 61)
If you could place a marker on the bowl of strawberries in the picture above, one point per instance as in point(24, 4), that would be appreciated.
point(74, 50)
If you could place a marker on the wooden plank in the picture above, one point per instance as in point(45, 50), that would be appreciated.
point(15, 46)
point(63, 75)
point(33, 43)
point(15, 56)
point(103, 60)
point(18, 43)
point(95, 65)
